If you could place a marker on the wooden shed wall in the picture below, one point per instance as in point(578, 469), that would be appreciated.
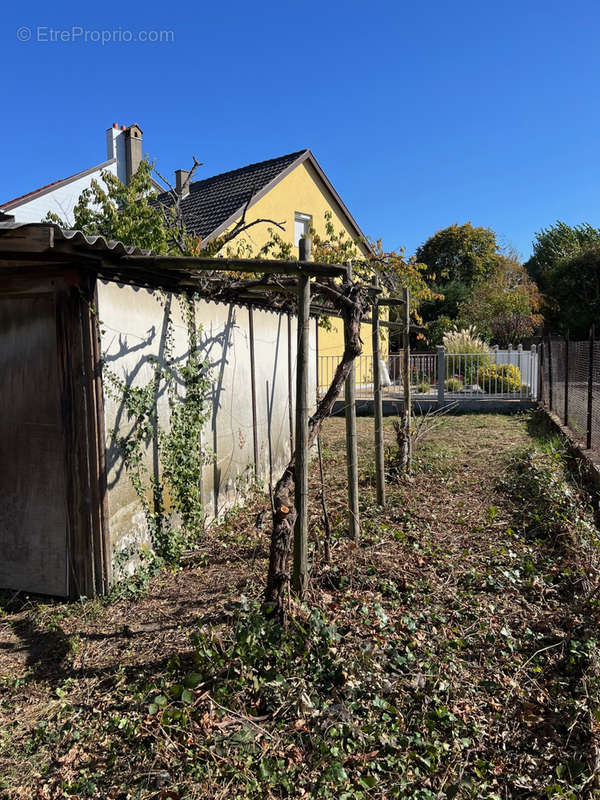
point(52, 535)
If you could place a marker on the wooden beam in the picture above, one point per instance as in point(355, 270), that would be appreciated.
point(351, 443)
point(260, 265)
point(300, 571)
point(378, 406)
point(27, 239)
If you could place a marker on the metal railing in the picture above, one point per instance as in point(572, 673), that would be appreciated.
point(509, 374)
point(499, 374)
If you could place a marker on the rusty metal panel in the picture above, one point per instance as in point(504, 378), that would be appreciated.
point(33, 515)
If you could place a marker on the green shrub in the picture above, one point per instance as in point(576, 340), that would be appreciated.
point(423, 388)
point(500, 378)
point(453, 385)
point(465, 353)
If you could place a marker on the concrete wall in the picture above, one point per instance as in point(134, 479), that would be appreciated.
point(134, 328)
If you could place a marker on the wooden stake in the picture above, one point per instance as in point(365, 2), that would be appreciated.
point(351, 447)
point(253, 390)
point(290, 394)
point(300, 572)
point(406, 375)
point(378, 405)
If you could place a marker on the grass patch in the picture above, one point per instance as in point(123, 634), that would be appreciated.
point(451, 653)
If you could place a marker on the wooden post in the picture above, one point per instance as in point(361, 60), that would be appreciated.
point(300, 572)
point(590, 392)
point(317, 357)
point(290, 394)
point(566, 410)
point(253, 390)
point(406, 374)
point(351, 446)
point(377, 403)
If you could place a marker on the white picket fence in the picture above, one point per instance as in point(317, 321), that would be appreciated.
point(464, 375)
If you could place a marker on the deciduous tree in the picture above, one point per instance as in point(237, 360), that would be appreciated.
point(455, 258)
point(505, 306)
point(559, 242)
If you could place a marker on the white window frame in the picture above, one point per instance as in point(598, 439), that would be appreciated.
point(302, 223)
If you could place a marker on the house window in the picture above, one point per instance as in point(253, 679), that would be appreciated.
point(301, 226)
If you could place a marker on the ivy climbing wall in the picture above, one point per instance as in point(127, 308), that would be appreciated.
point(159, 349)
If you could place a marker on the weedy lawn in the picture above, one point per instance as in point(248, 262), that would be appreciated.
point(451, 652)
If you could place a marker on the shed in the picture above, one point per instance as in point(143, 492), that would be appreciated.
point(69, 306)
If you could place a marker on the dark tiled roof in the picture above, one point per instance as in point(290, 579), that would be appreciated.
point(213, 201)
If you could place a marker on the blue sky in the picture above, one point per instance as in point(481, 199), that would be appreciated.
point(421, 114)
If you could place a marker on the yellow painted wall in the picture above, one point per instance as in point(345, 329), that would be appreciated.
point(303, 192)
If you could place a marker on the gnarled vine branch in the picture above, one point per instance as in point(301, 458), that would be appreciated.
point(351, 302)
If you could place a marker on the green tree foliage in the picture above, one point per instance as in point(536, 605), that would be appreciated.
point(565, 265)
point(573, 292)
point(557, 243)
point(121, 211)
point(455, 258)
point(395, 272)
point(505, 306)
point(459, 253)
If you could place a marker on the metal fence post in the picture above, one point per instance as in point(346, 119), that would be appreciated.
point(441, 370)
point(566, 414)
point(550, 371)
point(542, 362)
point(590, 396)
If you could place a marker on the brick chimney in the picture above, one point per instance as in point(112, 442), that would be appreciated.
point(182, 185)
point(133, 150)
point(124, 145)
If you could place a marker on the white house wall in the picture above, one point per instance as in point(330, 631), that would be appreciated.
point(60, 201)
point(133, 325)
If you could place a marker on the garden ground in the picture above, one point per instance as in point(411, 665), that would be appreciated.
point(449, 653)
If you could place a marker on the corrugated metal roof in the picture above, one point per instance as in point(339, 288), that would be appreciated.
point(100, 243)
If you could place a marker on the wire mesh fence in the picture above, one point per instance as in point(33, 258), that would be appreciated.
point(570, 386)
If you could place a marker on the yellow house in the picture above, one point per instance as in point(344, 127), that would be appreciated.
point(291, 190)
